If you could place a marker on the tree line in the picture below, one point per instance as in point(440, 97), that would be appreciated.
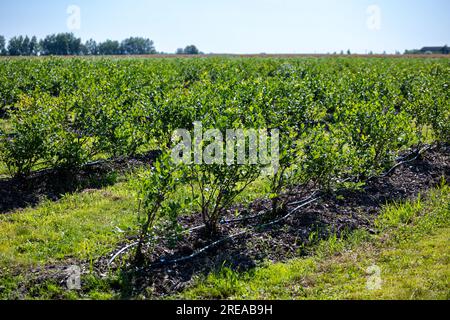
point(67, 44)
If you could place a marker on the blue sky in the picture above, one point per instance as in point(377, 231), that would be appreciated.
point(242, 26)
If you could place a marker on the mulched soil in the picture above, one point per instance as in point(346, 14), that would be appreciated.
point(332, 213)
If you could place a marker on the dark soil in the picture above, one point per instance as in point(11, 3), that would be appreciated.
point(331, 214)
point(52, 184)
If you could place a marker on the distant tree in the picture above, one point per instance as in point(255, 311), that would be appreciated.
point(137, 45)
point(90, 47)
point(413, 51)
point(61, 44)
point(15, 46)
point(109, 47)
point(34, 46)
point(23, 46)
point(26, 50)
point(2, 45)
point(445, 50)
point(68, 44)
point(191, 50)
point(349, 52)
point(179, 51)
point(83, 49)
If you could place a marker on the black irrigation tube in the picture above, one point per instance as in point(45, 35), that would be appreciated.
point(197, 253)
point(289, 213)
point(419, 152)
point(223, 222)
point(231, 237)
point(258, 215)
point(302, 203)
point(124, 249)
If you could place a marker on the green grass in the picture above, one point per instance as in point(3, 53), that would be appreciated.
point(411, 251)
point(79, 226)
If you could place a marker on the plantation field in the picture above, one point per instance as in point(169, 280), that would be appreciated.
point(88, 179)
point(68, 112)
